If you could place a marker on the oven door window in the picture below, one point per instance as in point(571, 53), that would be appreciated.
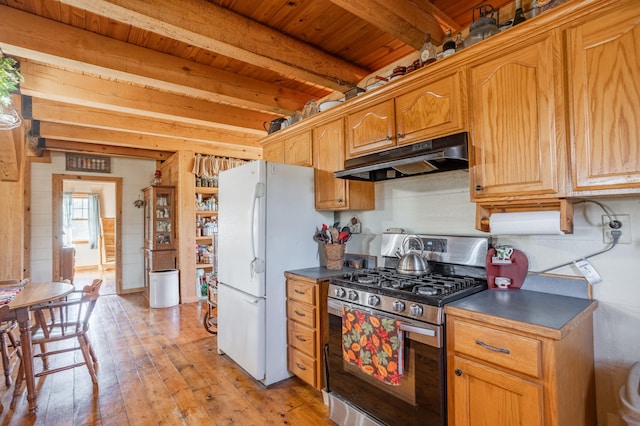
point(418, 399)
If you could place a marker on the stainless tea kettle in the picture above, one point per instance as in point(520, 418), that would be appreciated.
point(412, 263)
point(274, 125)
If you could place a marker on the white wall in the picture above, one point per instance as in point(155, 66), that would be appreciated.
point(439, 204)
point(136, 174)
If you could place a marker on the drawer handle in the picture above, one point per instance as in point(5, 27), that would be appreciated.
point(492, 348)
point(300, 314)
point(302, 339)
point(298, 291)
point(301, 367)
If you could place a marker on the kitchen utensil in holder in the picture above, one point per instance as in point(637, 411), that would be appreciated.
point(335, 255)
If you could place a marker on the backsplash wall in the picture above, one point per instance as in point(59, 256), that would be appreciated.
point(439, 204)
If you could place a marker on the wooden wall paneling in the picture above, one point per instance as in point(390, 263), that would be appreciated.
point(12, 208)
point(176, 171)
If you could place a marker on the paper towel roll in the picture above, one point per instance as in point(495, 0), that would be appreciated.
point(526, 223)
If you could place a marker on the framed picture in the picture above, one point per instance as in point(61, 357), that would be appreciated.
point(88, 163)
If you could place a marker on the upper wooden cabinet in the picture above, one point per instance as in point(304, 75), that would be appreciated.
point(517, 122)
point(298, 149)
point(328, 156)
point(292, 149)
point(436, 108)
point(274, 151)
point(371, 129)
point(604, 73)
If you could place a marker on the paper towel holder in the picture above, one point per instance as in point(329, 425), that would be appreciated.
point(484, 211)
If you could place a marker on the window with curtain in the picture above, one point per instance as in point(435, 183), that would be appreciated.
point(94, 220)
point(82, 219)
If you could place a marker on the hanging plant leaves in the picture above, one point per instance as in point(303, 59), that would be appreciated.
point(10, 78)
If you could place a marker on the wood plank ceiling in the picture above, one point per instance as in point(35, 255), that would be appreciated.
point(203, 75)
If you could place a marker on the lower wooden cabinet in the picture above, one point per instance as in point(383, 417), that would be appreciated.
point(307, 331)
point(518, 374)
point(157, 260)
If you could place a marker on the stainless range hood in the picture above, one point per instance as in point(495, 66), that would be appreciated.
point(432, 156)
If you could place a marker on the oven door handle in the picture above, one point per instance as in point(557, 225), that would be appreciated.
point(417, 330)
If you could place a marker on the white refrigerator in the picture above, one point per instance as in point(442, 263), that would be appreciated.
point(266, 223)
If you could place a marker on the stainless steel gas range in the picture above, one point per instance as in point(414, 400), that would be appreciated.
point(413, 307)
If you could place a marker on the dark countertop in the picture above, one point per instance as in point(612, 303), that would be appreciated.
point(321, 272)
point(548, 311)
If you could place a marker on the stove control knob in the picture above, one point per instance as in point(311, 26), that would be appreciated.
point(339, 292)
point(398, 306)
point(352, 295)
point(415, 310)
point(373, 300)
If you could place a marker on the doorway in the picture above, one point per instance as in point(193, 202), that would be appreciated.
point(80, 253)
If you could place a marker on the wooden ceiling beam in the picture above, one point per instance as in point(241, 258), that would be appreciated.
point(110, 150)
point(407, 20)
point(81, 89)
point(71, 133)
point(214, 28)
point(64, 113)
point(443, 19)
point(43, 40)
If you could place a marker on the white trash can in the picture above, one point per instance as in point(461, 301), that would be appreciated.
point(164, 288)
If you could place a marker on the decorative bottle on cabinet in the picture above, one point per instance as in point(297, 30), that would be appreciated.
point(459, 42)
point(428, 51)
point(449, 46)
point(518, 17)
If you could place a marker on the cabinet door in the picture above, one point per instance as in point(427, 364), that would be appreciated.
point(297, 149)
point(486, 396)
point(274, 151)
point(517, 122)
point(163, 220)
point(371, 129)
point(435, 109)
point(162, 260)
point(604, 91)
point(328, 157)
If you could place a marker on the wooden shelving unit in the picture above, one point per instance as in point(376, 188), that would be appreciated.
point(206, 193)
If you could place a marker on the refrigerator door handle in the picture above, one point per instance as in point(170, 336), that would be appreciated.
point(257, 265)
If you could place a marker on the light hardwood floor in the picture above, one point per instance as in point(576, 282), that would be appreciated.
point(160, 366)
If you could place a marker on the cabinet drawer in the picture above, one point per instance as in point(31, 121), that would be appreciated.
point(301, 291)
point(303, 313)
point(302, 366)
point(301, 337)
point(508, 350)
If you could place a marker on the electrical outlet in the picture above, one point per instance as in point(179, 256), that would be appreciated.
point(625, 219)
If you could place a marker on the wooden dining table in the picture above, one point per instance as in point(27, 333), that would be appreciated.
point(34, 293)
